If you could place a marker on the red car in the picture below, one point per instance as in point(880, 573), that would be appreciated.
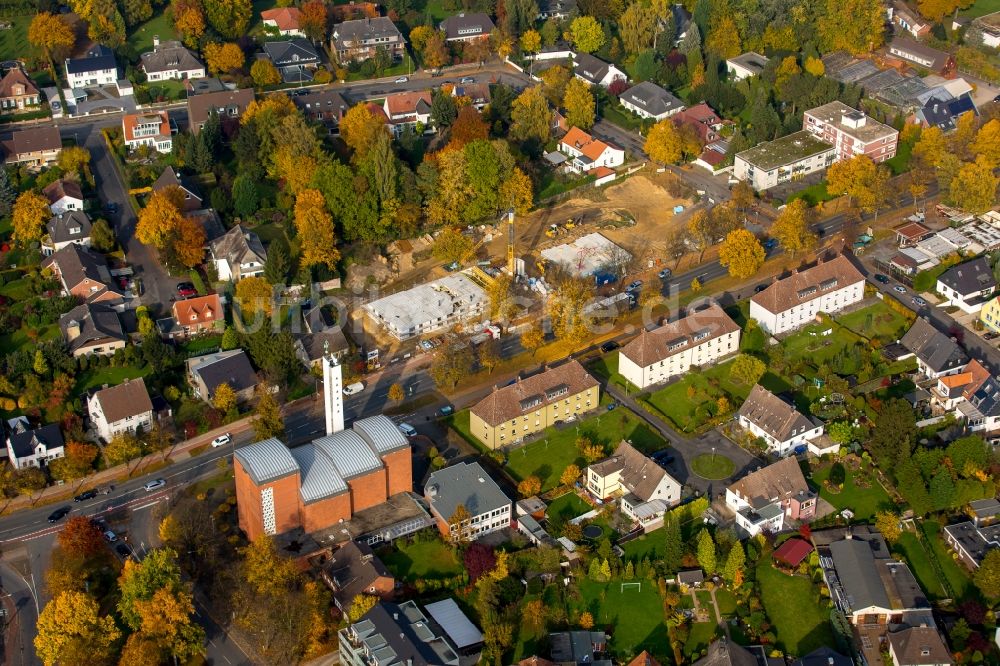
point(186, 289)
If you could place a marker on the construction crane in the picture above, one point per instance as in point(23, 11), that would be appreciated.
point(510, 242)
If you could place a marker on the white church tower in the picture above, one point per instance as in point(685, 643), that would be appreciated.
point(333, 392)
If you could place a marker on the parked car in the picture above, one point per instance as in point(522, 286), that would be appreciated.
point(110, 536)
point(403, 79)
point(123, 550)
point(356, 387)
point(919, 302)
point(221, 440)
point(407, 429)
point(899, 289)
point(111, 207)
point(58, 514)
point(447, 410)
point(759, 288)
point(882, 279)
point(153, 485)
point(612, 405)
point(85, 495)
point(466, 80)
point(770, 244)
point(664, 274)
point(609, 346)
point(634, 286)
point(186, 289)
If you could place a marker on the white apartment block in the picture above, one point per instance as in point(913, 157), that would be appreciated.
point(795, 301)
point(783, 160)
point(698, 339)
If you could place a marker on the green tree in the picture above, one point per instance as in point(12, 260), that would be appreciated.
point(856, 26)
point(443, 110)
point(892, 438)
point(245, 197)
point(974, 187)
point(942, 490)
point(267, 420)
point(579, 104)
point(102, 238)
point(8, 194)
point(122, 448)
point(230, 339)
point(139, 581)
point(747, 369)
point(278, 263)
point(70, 630)
point(451, 246)
point(587, 34)
point(673, 547)
point(706, 552)
point(41, 366)
point(987, 576)
point(733, 572)
point(530, 116)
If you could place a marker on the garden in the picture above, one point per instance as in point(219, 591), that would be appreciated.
point(424, 557)
point(713, 466)
point(798, 612)
point(852, 484)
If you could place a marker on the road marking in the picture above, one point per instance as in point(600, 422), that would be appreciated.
point(146, 506)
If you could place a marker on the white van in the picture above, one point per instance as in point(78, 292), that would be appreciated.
point(356, 387)
point(407, 429)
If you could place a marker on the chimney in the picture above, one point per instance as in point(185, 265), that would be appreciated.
point(156, 41)
point(73, 330)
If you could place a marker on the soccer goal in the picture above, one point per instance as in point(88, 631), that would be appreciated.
point(637, 586)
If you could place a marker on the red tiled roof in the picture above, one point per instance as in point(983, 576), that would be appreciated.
point(713, 158)
point(586, 144)
point(16, 77)
point(200, 310)
point(406, 102)
point(130, 120)
point(912, 231)
point(286, 18)
point(792, 552)
point(601, 172)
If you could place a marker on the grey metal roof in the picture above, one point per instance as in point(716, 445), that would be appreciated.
point(349, 453)
point(454, 622)
point(267, 460)
point(381, 434)
point(320, 478)
point(291, 52)
point(855, 564)
point(464, 483)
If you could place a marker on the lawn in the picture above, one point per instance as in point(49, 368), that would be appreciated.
point(606, 367)
point(648, 545)
point(927, 280)
point(919, 560)
point(813, 195)
point(956, 575)
point(422, 560)
point(701, 636)
point(567, 507)
point(713, 466)
point(13, 41)
point(615, 113)
point(11, 342)
point(800, 617)
point(141, 38)
point(435, 9)
point(556, 448)
point(555, 184)
point(981, 8)
point(201, 344)
point(900, 163)
point(878, 320)
point(96, 377)
point(634, 616)
point(726, 601)
point(864, 502)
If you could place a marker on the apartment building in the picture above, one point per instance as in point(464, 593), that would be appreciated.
point(700, 338)
point(787, 304)
point(851, 132)
point(783, 160)
point(467, 485)
point(362, 38)
point(645, 489)
point(511, 413)
point(122, 408)
point(780, 425)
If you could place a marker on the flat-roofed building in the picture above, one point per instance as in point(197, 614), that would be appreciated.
point(429, 307)
point(779, 161)
point(851, 132)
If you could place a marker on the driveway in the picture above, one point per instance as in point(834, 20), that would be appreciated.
point(630, 140)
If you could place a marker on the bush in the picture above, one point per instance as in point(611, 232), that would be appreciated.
point(838, 475)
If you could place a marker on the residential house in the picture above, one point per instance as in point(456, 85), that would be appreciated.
point(360, 39)
point(151, 128)
point(201, 314)
point(782, 427)
point(204, 86)
point(123, 408)
point(238, 254)
point(467, 27)
point(63, 196)
point(698, 339)
point(395, 634)
point(866, 583)
point(691, 578)
point(943, 113)
point(782, 160)
point(587, 153)
point(985, 29)
point(923, 56)
point(83, 273)
point(645, 488)
point(286, 21)
point(296, 59)
point(952, 390)
point(971, 542)
point(93, 328)
point(851, 132)
point(937, 354)
point(746, 65)
point(918, 646)
point(467, 485)
point(557, 9)
point(71, 227)
point(228, 104)
point(97, 67)
point(35, 147)
point(170, 60)
point(477, 93)
point(726, 653)
point(324, 105)
point(968, 285)
point(595, 71)
point(27, 447)
point(648, 100)
point(17, 91)
point(406, 110)
point(169, 178)
point(206, 373)
point(354, 569)
point(794, 301)
point(703, 119)
point(528, 406)
point(579, 647)
point(907, 19)
point(765, 500)
point(989, 315)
